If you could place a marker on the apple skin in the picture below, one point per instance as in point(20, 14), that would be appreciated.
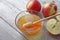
point(33, 6)
point(49, 9)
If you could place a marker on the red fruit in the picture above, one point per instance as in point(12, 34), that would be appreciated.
point(33, 6)
point(46, 11)
point(49, 9)
point(55, 8)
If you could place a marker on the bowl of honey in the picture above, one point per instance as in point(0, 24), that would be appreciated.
point(32, 31)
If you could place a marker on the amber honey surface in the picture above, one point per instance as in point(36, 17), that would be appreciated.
point(33, 31)
point(32, 28)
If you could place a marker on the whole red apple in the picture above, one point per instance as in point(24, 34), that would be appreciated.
point(33, 6)
point(49, 9)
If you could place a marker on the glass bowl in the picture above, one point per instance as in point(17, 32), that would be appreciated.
point(30, 35)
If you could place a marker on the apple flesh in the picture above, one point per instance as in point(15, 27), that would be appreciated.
point(50, 25)
point(49, 9)
point(57, 28)
point(53, 26)
point(33, 6)
point(58, 17)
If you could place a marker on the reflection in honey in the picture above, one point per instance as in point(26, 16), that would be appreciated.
point(33, 31)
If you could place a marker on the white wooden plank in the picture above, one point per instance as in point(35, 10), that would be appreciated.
point(8, 33)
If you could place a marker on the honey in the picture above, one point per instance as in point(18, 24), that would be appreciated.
point(32, 28)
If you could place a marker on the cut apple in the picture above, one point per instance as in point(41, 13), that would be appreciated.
point(52, 26)
point(57, 28)
point(58, 17)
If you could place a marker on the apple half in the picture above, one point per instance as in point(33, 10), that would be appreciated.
point(53, 26)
